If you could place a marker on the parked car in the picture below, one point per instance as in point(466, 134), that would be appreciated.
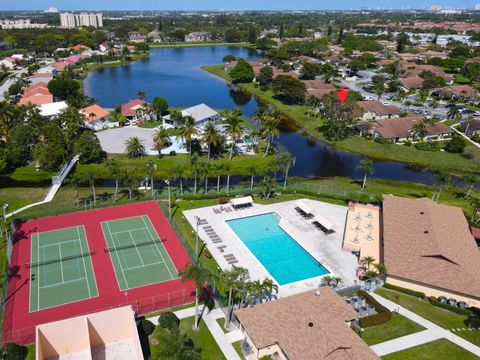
point(368, 97)
point(386, 103)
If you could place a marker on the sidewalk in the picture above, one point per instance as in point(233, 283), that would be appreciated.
point(432, 332)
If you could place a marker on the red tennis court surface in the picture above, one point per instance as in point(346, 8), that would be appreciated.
point(19, 324)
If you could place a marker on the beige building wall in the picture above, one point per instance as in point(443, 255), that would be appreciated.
point(430, 291)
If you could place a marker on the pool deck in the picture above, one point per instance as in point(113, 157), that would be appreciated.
point(326, 249)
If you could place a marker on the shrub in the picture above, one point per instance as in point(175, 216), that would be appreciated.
point(427, 146)
point(407, 143)
point(434, 301)
point(456, 144)
point(417, 294)
point(223, 200)
point(147, 327)
point(381, 141)
point(173, 153)
point(13, 352)
point(168, 320)
point(202, 196)
point(382, 316)
point(266, 357)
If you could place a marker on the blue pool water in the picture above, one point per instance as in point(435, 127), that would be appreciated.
point(278, 252)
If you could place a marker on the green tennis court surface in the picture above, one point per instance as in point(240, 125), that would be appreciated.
point(61, 268)
point(137, 252)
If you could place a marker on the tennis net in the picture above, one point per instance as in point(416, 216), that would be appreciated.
point(134, 244)
point(63, 258)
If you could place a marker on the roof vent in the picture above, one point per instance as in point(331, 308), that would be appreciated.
point(310, 324)
point(425, 232)
point(421, 212)
point(317, 292)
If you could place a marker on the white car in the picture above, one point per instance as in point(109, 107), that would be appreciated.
point(368, 97)
point(386, 103)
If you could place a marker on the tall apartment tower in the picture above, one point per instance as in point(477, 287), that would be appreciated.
point(70, 21)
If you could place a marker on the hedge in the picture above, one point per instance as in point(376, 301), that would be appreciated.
point(434, 301)
point(417, 294)
point(382, 316)
point(168, 320)
point(148, 327)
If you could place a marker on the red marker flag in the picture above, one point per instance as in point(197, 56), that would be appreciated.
point(342, 94)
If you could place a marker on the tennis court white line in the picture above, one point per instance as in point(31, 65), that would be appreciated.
point(84, 266)
point(168, 269)
point(61, 283)
point(61, 261)
point(62, 242)
point(136, 247)
point(38, 280)
point(118, 258)
point(124, 231)
point(140, 266)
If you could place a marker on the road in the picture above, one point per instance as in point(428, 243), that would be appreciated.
point(11, 79)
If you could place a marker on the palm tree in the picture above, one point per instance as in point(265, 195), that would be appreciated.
point(381, 269)
point(233, 127)
point(76, 180)
point(193, 162)
point(199, 275)
point(177, 173)
point(454, 114)
point(178, 346)
point(134, 147)
point(286, 160)
point(186, 130)
point(419, 130)
point(367, 167)
point(274, 165)
point(91, 176)
point(161, 139)
point(141, 94)
point(469, 180)
point(227, 167)
point(332, 281)
point(130, 182)
point(252, 169)
point(151, 168)
point(114, 171)
point(203, 169)
point(218, 168)
point(230, 280)
point(211, 137)
point(367, 261)
point(267, 186)
point(269, 287)
point(442, 180)
point(270, 128)
point(474, 203)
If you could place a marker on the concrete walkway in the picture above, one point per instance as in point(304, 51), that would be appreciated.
point(224, 340)
point(464, 136)
point(432, 332)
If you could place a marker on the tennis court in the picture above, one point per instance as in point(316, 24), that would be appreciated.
point(137, 252)
point(61, 269)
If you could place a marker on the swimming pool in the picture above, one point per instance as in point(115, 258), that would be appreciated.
point(277, 251)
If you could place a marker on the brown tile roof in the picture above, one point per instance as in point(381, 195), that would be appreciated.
point(401, 127)
point(307, 59)
point(431, 244)
point(465, 91)
point(385, 62)
point(285, 322)
point(318, 88)
point(412, 82)
point(94, 109)
point(378, 108)
point(412, 69)
point(130, 108)
point(36, 99)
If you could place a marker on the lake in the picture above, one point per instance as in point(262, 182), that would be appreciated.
point(175, 74)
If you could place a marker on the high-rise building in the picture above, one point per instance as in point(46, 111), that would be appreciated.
point(70, 20)
point(477, 6)
point(51, 10)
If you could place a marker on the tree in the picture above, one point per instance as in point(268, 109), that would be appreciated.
point(368, 261)
point(474, 203)
point(267, 186)
point(470, 180)
point(454, 113)
point(269, 287)
point(160, 105)
point(419, 130)
point(51, 151)
point(193, 162)
point(252, 170)
point(141, 94)
point(19, 146)
point(134, 147)
point(231, 279)
point(151, 169)
point(270, 127)
point(242, 72)
point(178, 346)
point(227, 167)
point(168, 320)
point(113, 168)
point(211, 137)
point(340, 36)
point(89, 148)
point(456, 144)
point(233, 127)
point(442, 181)
point(204, 169)
point(265, 76)
point(290, 89)
point(310, 71)
point(90, 177)
point(252, 35)
point(367, 167)
point(286, 160)
point(65, 89)
point(199, 275)
point(229, 58)
point(340, 117)
point(402, 41)
point(13, 351)
point(161, 139)
point(130, 183)
point(381, 269)
point(331, 281)
point(186, 130)
point(178, 172)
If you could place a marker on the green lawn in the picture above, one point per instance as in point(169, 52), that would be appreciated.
point(30, 173)
point(238, 348)
point(436, 350)
point(355, 144)
point(31, 352)
point(18, 197)
point(202, 338)
point(437, 315)
point(397, 327)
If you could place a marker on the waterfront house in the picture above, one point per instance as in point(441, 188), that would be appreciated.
point(201, 113)
point(428, 247)
point(45, 78)
point(49, 111)
point(318, 88)
point(136, 37)
point(373, 110)
point(95, 117)
point(135, 110)
point(197, 36)
point(309, 326)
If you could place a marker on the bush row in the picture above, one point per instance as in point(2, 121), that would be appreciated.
point(382, 316)
point(417, 294)
point(434, 301)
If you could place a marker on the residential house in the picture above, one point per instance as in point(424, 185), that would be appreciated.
point(80, 48)
point(197, 36)
point(459, 92)
point(36, 94)
point(154, 36)
point(45, 78)
point(428, 247)
point(386, 44)
point(49, 69)
point(402, 129)
point(373, 110)
point(60, 65)
point(408, 56)
point(307, 59)
point(8, 62)
point(95, 117)
point(135, 110)
point(412, 69)
point(307, 326)
point(471, 127)
point(411, 83)
point(201, 113)
point(136, 37)
point(51, 110)
point(318, 88)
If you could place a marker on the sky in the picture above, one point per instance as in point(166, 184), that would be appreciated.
point(227, 4)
